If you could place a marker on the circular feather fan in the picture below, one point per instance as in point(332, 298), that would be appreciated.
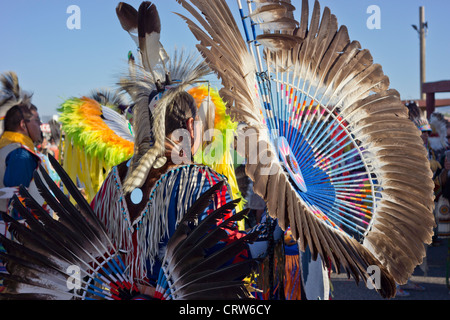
point(328, 145)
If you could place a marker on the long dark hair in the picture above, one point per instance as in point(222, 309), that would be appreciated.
point(181, 109)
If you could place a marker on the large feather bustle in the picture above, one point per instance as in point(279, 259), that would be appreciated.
point(319, 60)
point(96, 136)
point(272, 184)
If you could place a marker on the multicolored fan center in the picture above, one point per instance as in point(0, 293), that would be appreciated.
point(324, 163)
point(291, 164)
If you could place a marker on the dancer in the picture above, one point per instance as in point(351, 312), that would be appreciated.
point(143, 200)
point(139, 219)
point(75, 258)
point(20, 128)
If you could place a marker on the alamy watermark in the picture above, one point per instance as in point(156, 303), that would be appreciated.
point(74, 20)
point(374, 279)
point(252, 145)
point(73, 282)
point(374, 20)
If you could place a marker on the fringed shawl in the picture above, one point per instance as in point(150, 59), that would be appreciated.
point(143, 239)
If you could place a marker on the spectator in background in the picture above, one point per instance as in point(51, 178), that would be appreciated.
point(19, 131)
point(21, 125)
point(418, 117)
point(42, 147)
point(442, 193)
point(53, 149)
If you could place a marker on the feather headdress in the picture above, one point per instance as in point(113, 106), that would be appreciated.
point(418, 117)
point(160, 75)
point(98, 135)
point(11, 94)
point(328, 145)
point(438, 138)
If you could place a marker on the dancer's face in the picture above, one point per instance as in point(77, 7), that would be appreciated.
point(424, 136)
point(195, 129)
point(33, 126)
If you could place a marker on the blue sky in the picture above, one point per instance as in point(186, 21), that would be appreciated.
point(57, 63)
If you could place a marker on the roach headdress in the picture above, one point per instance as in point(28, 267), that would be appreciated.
point(158, 78)
point(11, 95)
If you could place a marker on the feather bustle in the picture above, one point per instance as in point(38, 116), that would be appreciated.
point(336, 72)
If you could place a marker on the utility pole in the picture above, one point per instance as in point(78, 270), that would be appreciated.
point(423, 25)
point(422, 31)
